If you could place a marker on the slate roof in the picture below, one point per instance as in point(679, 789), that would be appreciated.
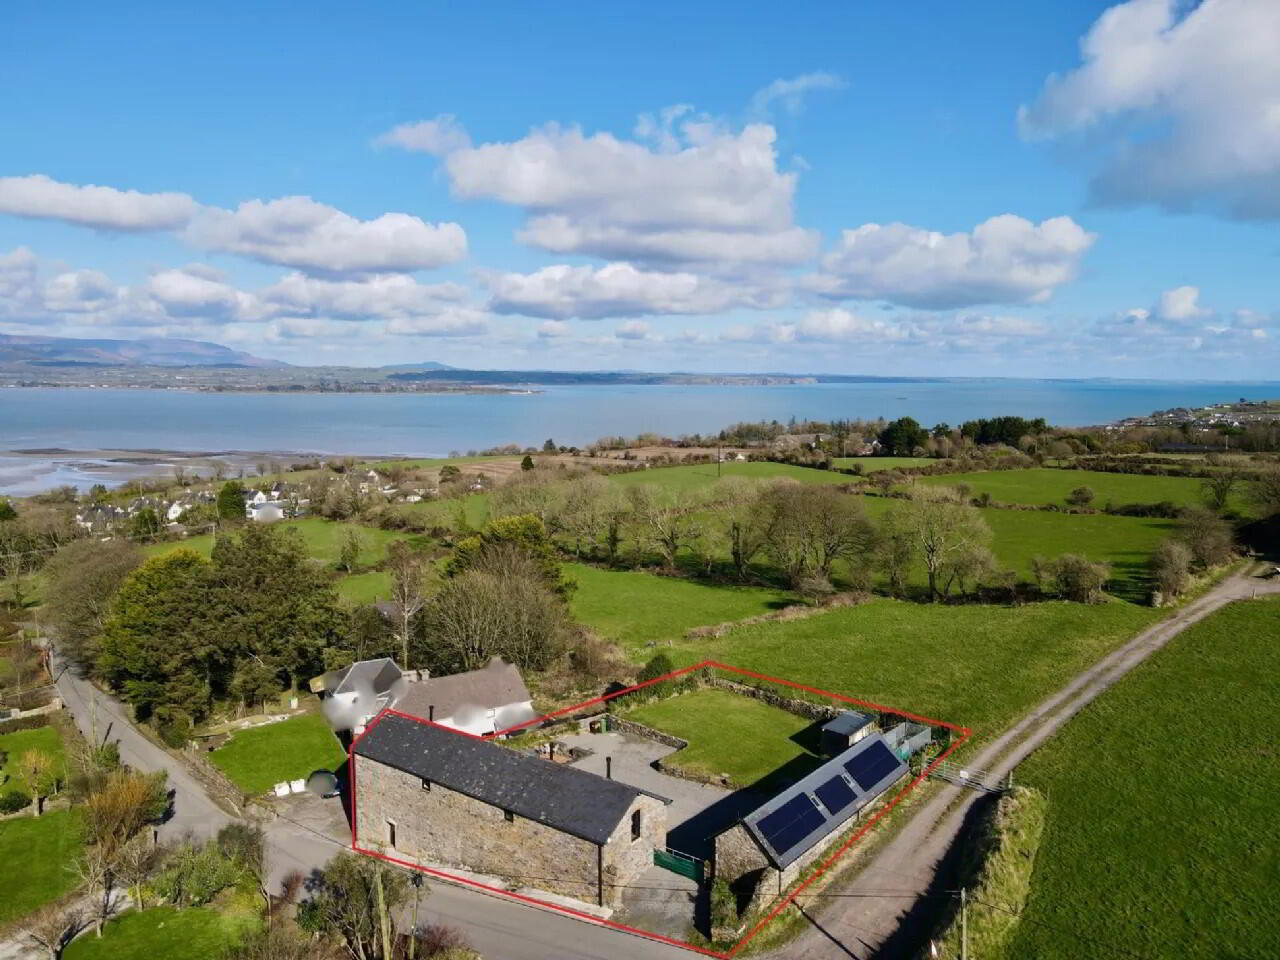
point(847, 723)
point(380, 674)
point(570, 800)
point(497, 685)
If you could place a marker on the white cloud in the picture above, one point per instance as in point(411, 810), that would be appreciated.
point(620, 290)
point(693, 191)
point(789, 93)
point(824, 326)
point(437, 137)
point(299, 232)
point(106, 208)
point(1181, 304)
point(633, 330)
point(1185, 99)
point(1005, 259)
point(382, 296)
point(553, 329)
point(452, 322)
point(185, 292)
point(80, 291)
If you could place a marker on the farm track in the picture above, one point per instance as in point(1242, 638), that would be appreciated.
point(885, 912)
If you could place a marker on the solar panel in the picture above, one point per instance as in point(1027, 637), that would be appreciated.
point(790, 823)
point(871, 765)
point(835, 794)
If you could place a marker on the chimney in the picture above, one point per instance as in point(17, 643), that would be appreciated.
point(608, 768)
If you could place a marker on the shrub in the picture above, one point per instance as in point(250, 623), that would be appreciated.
point(195, 875)
point(1171, 568)
point(1207, 536)
point(14, 800)
point(1072, 577)
point(24, 723)
point(1080, 497)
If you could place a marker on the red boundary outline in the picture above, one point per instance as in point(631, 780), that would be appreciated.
point(964, 734)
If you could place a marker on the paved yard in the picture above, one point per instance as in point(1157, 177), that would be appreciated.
point(697, 811)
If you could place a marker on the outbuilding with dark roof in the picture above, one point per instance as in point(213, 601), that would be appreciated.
point(430, 794)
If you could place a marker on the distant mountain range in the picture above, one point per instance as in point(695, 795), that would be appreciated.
point(155, 352)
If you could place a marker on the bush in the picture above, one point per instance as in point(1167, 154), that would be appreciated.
point(195, 875)
point(24, 723)
point(1171, 568)
point(1072, 577)
point(13, 801)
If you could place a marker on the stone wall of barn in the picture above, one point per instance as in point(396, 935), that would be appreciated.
point(626, 859)
point(441, 827)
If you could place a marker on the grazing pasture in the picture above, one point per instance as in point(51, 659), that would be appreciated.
point(876, 464)
point(1044, 485)
point(1162, 832)
point(323, 539)
point(640, 610)
point(974, 665)
point(695, 477)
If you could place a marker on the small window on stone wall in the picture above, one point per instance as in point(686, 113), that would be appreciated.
point(635, 825)
point(508, 816)
point(426, 784)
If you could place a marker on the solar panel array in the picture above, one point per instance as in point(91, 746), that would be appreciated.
point(820, 803)
point(871, 765)
point(835, 794)
point(791, 823)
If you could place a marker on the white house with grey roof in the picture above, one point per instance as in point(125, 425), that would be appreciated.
point(426, 794)
point(480, 701)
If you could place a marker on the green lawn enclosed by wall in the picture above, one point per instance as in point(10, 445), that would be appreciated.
point(260, 757)
point(731, 734)
point(1163, 836)
point(323, 539)
point(685, 479)
point(46, 740)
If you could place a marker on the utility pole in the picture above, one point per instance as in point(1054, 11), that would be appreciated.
point(719, 459)
point(964, 925)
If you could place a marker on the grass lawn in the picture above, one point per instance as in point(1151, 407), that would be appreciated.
point(698, 476)
point(1162, 832)
point(972, 665)
point(732, 734)
point(1043, 485)
point(38, 850)
point(259, 758)
point(196, 933)
point(45, 739)
point(637, 609)
point(874, 464)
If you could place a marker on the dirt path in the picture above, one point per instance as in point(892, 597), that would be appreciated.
point(879, 914)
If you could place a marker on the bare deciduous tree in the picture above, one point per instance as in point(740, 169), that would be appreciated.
point(406, 568)
point(668, 522)
point(53, 927)
point(941, 528)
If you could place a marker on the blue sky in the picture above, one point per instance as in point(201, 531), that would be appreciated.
point(1079, 189)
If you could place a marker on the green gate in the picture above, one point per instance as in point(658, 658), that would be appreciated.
point(680, 863)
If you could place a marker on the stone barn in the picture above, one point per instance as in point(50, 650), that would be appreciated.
point(428, 794)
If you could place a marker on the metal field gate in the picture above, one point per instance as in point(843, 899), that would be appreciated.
point(680, 863)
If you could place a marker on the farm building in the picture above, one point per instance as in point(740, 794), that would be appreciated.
point(770, 846)
point(356, 694)
point(428, 794)
point(842, 732)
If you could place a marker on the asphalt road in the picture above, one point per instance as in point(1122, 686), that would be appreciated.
point(500, 929)
point(881, 913)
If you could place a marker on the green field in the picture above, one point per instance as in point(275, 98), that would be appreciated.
point(1162, 834)
point(972, 665)
point(876, 464)
point(1126, 543)
point(640, 609)
point(730, 734)
point(196, 933)
point(698, 476)
point(257, 759)
point(323, 539)
point(365, 587)
point(1043, 485)
point(13, 745)
point(39, 850)
point(445, 512)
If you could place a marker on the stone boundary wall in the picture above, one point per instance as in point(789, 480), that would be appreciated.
point(801, 708)
point(640, 730)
